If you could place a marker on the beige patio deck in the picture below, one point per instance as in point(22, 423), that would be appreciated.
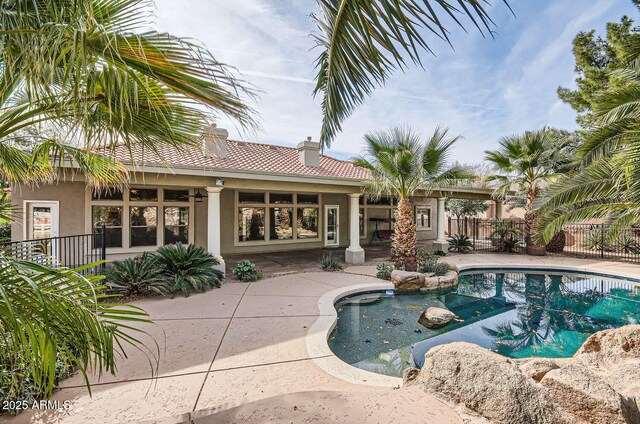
point(239, 354)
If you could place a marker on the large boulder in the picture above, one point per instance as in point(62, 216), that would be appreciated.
point(443, 282)
point(579, 391)
point(485, 383)
point(434, 317)
point(406, 280)
point(537, 368)
point(606, 349)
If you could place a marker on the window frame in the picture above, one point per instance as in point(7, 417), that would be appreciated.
point(267, 205)
point(429, 220)
point(126, 203)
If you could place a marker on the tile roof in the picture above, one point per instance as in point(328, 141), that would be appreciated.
point(244, 156)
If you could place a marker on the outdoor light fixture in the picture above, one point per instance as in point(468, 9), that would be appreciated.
point(219, 182)
point(198, 197)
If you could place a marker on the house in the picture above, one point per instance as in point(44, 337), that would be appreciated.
point(232, 197)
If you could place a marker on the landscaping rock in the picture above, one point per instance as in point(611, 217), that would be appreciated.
point(580, 392)
point(537, 368)
point(434, 317)
point(486, 383)
point(605, 349)
point(625, 379)
point(437, 283)
point(406, 280)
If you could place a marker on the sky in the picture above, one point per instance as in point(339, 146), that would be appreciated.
point(484, 88)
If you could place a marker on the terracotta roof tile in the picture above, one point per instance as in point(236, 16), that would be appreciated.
point(245, 156)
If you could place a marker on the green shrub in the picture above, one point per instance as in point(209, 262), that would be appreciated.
point(384, 271)
point(460, 243)
point(435, 267)
point(330, 262)
point(246, 271)
point(597, 240)
point(5, 232)
point(137, 276)
point(187, 268)
point(628, 244)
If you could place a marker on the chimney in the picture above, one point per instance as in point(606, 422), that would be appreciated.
point(309, 153)
point(214, 142)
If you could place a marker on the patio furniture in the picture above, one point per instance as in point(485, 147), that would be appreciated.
point(379, 234)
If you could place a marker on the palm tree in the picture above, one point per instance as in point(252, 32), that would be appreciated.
point(526, 164)
point(401, 164)
point(89, 73)
point(363, 42)
point(605, 184)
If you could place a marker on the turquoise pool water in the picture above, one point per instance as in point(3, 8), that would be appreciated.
point(515, 313)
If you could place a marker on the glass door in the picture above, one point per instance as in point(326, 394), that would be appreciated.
point(42, 221)
point(331, 232)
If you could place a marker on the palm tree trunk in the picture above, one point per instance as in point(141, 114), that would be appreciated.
point(404, 241)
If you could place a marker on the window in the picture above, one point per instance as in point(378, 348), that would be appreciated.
point(382, 201)
point(107, 194)
point(308, 199)
point(143, 194)
point(251, 197)
point(176, 225)
point(281, 198)
point(281, 223)
point(176, 195)
point(307, 223)
point(143, 226)
point(423, 218)
point(111, 218)
point(250, 224)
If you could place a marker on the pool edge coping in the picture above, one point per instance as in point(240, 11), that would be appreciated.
point(318, 335)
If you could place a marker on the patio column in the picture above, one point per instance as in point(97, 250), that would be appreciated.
point(441, 242)
point(498, 209)
point(213, 224)
point(354, 253)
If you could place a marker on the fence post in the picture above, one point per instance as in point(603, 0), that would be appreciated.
point(602, 240)
point(103, 245)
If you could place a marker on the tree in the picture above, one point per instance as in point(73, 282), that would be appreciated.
point(91, 71)
point(401, 164)
point(596, 58)
point(363, 42)
point(605, 184)
point(526, 164)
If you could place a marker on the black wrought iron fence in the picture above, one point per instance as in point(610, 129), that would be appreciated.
point(66, 251)
point(576, 240)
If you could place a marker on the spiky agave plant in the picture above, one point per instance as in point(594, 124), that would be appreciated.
point(187, 268)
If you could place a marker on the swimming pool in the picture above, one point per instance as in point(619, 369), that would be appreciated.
point(517, 313)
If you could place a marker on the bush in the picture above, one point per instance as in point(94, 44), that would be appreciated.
point(384, 271)
point(460, 243)
point(5, 232)
point(628, 244)
point(246, 271)
point(435, 267)
point(137, 276)
point(330, 262)
point(188, 267)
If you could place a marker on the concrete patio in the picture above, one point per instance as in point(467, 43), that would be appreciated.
point(239, 354)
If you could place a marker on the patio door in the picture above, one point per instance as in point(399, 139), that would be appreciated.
point(331, 226)
point(42, 220)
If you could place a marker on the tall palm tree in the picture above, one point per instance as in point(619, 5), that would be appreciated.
point(363, 42)
point(401, 164)
point(605, 184)
point(526, 164)
point(91, 73)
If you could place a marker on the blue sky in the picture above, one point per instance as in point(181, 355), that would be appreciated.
point(484, 89)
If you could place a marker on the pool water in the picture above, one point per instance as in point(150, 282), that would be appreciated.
point(517, 314)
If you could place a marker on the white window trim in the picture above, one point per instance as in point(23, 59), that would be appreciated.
point(366, 206)
point(267, 218)
point(126, 203)
point(415, 217)
point(55, 215)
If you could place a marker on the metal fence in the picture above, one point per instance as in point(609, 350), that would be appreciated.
point(67, 251)
point(576, 240)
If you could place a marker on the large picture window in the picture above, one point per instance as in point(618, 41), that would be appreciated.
point(307, 227)
point(111, 218)
point(144, 226)
point(423, 218)
point(176, 225)
point(281, 223)
point(251, 224)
